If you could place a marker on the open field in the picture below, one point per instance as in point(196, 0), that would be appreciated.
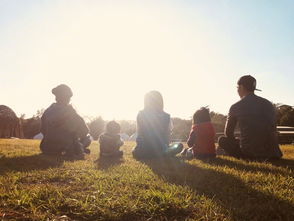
point(36, 187)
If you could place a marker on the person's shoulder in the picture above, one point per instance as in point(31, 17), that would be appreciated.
point(140, 112)
point(71, 112)
point(235, 106)
point(263, 99)
point(52, 106)
point(107, 137)
point(206, 124)
point(102, 136)
point(49, 109)
point(166, 114)
point(147, 114)
point(71, 109)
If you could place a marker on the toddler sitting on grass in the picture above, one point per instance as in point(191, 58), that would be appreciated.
point(201, 138)
point(110, 141)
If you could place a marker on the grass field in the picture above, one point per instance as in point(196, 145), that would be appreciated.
point(36, 187)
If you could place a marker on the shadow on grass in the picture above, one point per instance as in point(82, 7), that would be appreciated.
point(281, 163)
point(105, 163)
point(238, 200)
point(29, 163)
point(286, 163)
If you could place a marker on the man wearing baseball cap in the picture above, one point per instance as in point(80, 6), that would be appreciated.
point(63, 129)
point(255, 117)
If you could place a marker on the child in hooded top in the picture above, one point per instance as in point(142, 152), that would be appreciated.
point(110, 141)
point(201, 138)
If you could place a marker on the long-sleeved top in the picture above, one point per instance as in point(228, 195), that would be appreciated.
point(61, 127)
point(256, 119)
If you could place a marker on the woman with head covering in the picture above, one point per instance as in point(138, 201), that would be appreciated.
point(63, 129)
point(154, 129)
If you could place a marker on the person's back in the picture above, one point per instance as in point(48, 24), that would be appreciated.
point(58, 125)
point(153, 130)
point(201, 137)
point(63, 129)
point(256, 119)
point(110, 141)
point(204, 144)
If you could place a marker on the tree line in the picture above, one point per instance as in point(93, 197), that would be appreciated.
point(181, 127)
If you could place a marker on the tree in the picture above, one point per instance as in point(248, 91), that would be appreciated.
point(285, 115)
point(218, 120)
point(96, 127)
point(128, 127)
point(10, 125)
point(32, 126)
point(181, 129)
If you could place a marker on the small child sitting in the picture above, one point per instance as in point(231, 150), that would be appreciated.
point(201, 138)
point(110, 141)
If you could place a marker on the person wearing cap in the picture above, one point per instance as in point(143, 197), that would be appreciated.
point(63, 129)
point(255, 117)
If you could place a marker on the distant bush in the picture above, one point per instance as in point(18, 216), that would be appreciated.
point(10, 125)
point(218, 120)
point(128, 126)
point(285, 115)
point(96, 127)
point(181, 129)
point(31, 127)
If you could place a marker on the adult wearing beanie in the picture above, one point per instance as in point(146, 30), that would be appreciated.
point(63, 129)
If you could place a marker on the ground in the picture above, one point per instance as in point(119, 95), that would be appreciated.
point(36, 187)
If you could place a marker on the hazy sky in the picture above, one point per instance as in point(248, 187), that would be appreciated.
point(112, 52)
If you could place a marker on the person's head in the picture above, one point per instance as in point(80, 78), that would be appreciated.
point(246, 85)
point(62, 94)
point(201, 116)
point(153, 101)
point(112, 127)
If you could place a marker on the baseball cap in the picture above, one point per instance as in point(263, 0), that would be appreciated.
point(248, 82)
point(62, 90)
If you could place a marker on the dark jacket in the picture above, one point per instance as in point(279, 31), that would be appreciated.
point(256, 119)
point(109, 143)
point(62, 127)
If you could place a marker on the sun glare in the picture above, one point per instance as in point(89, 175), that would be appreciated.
point(111, 55)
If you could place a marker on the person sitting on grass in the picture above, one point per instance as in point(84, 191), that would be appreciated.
point(63, 129)
point(201, 139)
point(256, 119)
point(110, 141)
point(154, 130)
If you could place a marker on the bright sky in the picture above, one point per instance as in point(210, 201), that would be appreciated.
point(112, 52)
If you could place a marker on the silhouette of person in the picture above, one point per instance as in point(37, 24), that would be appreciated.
point(256, 119)
point(110, 141)
point(154, 129)
point(63, 129)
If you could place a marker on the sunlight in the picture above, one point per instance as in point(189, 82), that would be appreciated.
point(112, 55)
point(111, 58)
